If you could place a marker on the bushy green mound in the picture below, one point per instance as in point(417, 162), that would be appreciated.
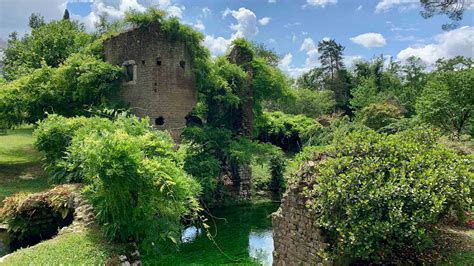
point(133, 177)
point(287, 131)
point(379, 115)
point(374, 194)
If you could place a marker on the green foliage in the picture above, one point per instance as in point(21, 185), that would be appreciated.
point(311, 80)
point(448, 100)
point(376, 194)
point(133, 177)
point(144, 19)
point(365, 94)
point(215, 149)
point(306, 102)
point(379, 115)
point(49, 44)
point(83, 80)
point(290, 132)
point(26, 215)
point(210, 154)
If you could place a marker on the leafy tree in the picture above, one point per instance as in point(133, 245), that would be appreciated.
point(454, 9)
point(414, 80)
point(82, 81)
point(307, 102)
point(36, 21)
point(455, 63)
point(448, 100)
point(266, 53)
point(51, 43)
point(365, 94)
point(341, 85)
point(330, 56)
point(313, 79)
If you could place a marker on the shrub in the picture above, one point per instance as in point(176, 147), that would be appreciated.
point(135, 184)
point(379, 115)
point(34, 217)
point(375, 194)
point(290, 132)
point(54, 135)
point(133, 177)
point(81, 81)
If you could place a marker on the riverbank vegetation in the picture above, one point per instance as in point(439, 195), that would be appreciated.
point(393, 144)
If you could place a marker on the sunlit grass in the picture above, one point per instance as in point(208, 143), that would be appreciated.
point(20, 164)
point(87, 247)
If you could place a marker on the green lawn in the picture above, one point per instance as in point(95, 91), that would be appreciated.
point(20, 164)
point(87, 247)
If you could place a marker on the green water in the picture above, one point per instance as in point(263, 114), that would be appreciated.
point(243, 235)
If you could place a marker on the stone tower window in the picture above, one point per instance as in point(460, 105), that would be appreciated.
point(182, 64)
point(158, 61)
point(159, 121)
point(130, 71)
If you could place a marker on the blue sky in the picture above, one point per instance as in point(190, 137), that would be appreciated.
point(291, 27)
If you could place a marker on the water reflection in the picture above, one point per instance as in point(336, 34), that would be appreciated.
point(190, 234)
point(261, 246)
point(240, 235)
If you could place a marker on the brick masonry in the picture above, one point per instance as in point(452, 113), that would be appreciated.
point(164, 84)
point(296, 238)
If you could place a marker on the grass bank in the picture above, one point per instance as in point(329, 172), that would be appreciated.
point(20, 164)
point(86, 247)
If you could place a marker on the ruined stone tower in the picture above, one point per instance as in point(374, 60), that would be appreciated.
point(159, 79)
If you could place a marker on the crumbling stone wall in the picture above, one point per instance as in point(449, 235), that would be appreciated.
point(296, 238)
point(243, 178)
point(160, 80)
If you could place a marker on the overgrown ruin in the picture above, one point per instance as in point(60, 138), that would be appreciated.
point(159, 81)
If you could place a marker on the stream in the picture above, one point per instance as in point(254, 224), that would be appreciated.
point(242, 235)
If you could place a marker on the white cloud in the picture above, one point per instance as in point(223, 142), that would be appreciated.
point(320, 3)
point(446, 45)
point(14, 14)
point(312, 54)
point(217, 46)
point(285, 66)
point(385, 5)
point(349, 60)
point(264, 21)
point(246, 27)
point(206, 12)
point(369, 40)
point(199, 25)
point(116, 9)
point(359, 8)
point(246, 22)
